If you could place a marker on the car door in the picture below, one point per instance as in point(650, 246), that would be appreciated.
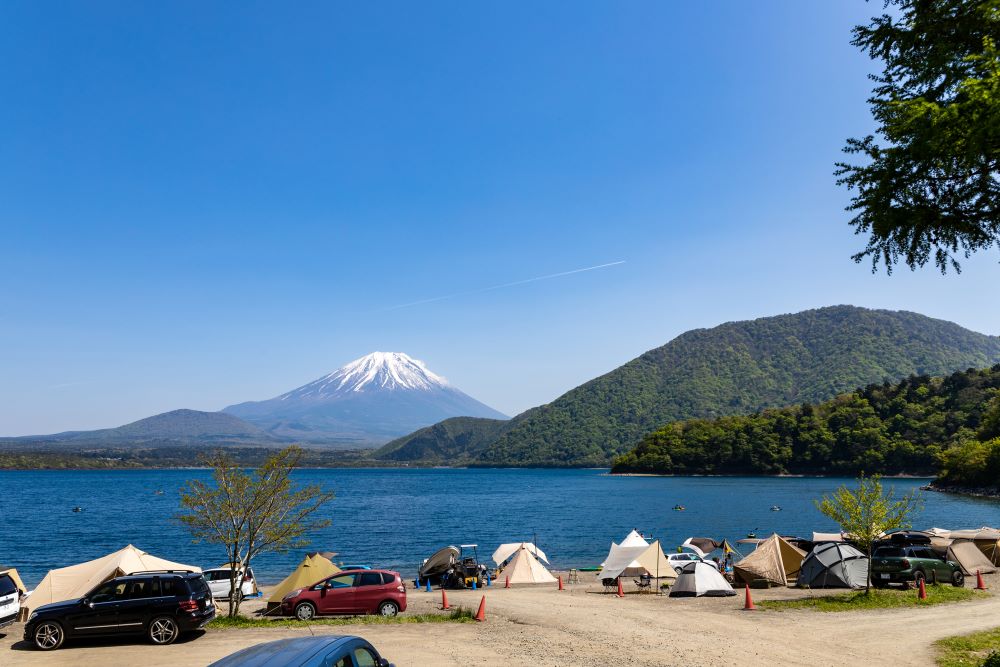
point(137, 606)
point(369, 592)
point(336, 594)
point(97, 613)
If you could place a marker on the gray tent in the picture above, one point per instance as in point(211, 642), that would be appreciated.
point(834, 565)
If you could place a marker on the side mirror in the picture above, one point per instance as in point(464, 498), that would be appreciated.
point(84, 602)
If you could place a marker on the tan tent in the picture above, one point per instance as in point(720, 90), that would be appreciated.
point(970, 558)
point(311, 570)
point(987, 539)
point(636, 561)
point(78, 580)
point(774, 559)
point(524, 568)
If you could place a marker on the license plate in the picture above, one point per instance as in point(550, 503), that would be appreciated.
point(885, 576)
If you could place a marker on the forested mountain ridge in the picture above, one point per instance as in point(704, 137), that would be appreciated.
point(734, 368)
point(448, 441)
point(921, 425)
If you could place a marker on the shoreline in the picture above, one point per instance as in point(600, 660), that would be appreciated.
point(986, 493)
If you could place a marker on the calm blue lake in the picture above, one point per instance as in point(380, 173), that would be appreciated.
point(394, 518)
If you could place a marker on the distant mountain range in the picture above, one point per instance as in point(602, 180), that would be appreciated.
point(364, 404)
point(734, 368)
point(371, 400)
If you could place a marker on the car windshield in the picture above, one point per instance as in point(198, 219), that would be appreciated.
point(217, 575)
point(889, 552)
point(7, 585)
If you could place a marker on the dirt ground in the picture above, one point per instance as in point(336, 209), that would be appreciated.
point(583, 626)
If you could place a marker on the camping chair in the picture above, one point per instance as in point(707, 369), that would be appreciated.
point(610, 585)
point(644, 583)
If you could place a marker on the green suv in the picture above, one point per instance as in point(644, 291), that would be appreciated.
point(901, 565)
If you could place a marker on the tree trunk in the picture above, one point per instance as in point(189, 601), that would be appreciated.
point(868, 580)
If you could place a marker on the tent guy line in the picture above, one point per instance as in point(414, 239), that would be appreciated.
point(496, 287)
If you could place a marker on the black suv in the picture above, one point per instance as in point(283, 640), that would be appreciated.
point(160, 604)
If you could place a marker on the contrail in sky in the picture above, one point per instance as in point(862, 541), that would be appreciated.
point(496, 287)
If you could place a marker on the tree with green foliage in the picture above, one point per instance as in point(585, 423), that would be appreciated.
point(930, 186)
point(867, 512)
point(250, 513)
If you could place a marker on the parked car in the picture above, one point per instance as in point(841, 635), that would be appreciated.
point(322, 651)
point(903, 564)
point(679, 560)
point(355, 567)
point(10, 600)
point(348, 592)
point(160, 605)
point(221, 586)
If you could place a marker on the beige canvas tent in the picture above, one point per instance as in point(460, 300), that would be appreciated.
point(624, 561)
point(505, 551)
point(970, 558)
point(986, 539)
point(774, 559)
point(78, 580)
point(524, 568)
point(312, 569)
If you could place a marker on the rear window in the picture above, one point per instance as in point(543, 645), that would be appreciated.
point(889, 552)
point(217, 575)
point(388, 578)
point(169, 586)
point(196, 584)
point(370, 579)
point(7, 585)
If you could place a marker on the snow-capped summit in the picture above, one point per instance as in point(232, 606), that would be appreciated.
point(371, 400)
point(378, 371)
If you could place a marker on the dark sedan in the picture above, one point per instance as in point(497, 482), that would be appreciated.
point(322, 651)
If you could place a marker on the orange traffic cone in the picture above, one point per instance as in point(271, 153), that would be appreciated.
point(444, 600)
point(481, 614)
point(923, 590)
point(748, 602)
point(621, 591)
point(560, 583)
point(980, 584)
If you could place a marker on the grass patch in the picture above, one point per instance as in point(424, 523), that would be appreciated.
point(967, 650)
point(876, 599)
point(459, 615)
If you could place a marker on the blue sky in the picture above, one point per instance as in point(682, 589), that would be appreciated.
point(205, 203)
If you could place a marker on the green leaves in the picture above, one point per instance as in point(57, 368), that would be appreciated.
point(931, 188)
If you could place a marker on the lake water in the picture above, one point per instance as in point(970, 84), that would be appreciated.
point(394, 518)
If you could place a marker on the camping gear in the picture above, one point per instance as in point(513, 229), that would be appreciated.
point(634, 539)
point(834, 565)
point(524, 568)
point(828, 537)
point(311, 570)
point(706, 545)
point(77, 580)
point(775, 560)
point(438, 564)
point(505, 551)
point(969, 557)
point(636, 561)
point(986, 539)
point(698, 579)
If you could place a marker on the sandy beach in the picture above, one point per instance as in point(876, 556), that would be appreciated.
point(583, 626)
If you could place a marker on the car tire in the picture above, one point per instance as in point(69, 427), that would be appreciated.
point(880, 584)
point(49, 635)
point(163, 630)
point(388, 608)
point(305, 611)
point(958, 579)
point(919, 576)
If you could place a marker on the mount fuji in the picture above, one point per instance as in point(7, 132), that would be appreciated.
point(371, 400)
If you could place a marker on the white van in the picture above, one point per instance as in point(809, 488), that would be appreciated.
point(10, 600)
point(219, 583)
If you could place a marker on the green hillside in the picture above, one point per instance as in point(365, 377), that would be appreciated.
point(450, 441)
point(917, 426)
point(734, 368)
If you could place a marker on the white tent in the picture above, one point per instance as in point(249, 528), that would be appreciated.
point(524, 568)
point(505, 551)
point(634, 539)
point(623, 561)
point(78, 580)
point(697, 579)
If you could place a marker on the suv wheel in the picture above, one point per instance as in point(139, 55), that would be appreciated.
point(49, 636)
point(388, 608)
point(957, 579)
point(163, 630)
point(305, 611)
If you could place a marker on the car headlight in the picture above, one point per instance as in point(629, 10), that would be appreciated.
point(33, 616)
point(291, 595)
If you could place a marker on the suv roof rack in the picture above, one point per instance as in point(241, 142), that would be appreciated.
point(131, 574)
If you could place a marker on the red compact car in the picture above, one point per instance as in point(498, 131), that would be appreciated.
point(349, 592)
